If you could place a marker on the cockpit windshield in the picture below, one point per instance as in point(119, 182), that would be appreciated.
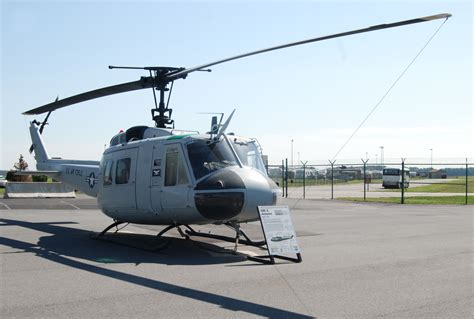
point(248, 153)
point(207, 156)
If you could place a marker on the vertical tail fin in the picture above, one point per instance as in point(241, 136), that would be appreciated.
point(41, 154)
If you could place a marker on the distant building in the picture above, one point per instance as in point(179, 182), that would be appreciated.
point(309, 172)
point(376, 174)
point(345, 173)
point(438, 173)
point(275, 172)
point(422, 174)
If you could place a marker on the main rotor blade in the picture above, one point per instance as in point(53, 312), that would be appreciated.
point(181, 74)
point(148, 82)
point(143, 83)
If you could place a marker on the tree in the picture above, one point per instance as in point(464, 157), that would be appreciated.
point(20, 166)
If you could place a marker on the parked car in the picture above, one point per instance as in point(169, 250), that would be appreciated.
point(3, 181)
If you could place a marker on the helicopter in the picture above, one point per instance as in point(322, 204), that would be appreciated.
point(165, 176)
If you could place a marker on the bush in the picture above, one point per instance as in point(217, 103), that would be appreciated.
point(40, 178)
point(11, 177)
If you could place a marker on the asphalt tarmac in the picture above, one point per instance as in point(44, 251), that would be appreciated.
point(359, 261)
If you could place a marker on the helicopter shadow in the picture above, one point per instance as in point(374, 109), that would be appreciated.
point(65, 242)
point(124, 247)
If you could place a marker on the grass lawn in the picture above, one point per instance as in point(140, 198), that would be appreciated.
point(430, 200)
point(317, 182)
point(457, 185)
point(454, 185)
point(451, 185)
point(2, 192)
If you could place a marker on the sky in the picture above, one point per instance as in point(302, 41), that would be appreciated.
point(309, 99)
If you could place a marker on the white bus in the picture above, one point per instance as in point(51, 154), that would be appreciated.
point(392, 178)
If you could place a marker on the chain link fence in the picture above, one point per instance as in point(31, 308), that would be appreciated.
point(394, 182)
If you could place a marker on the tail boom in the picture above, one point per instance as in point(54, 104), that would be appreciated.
point(81, 175)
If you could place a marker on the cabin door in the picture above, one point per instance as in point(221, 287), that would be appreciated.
point(118, 192)
point(176, 180)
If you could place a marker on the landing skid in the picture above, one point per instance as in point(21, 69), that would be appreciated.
point(114, 224)
point(102, 235)
point(236, 227)
point(189, 232)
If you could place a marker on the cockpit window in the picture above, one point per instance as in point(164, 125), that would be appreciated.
point(175, 173)
point(207, 156)
point(248, 153)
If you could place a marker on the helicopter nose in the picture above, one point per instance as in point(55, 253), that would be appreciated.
point(221, 195)
point(234, 191)
point(260, 191)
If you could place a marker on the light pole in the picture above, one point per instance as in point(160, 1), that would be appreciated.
point(381, 155)
point(291, 152)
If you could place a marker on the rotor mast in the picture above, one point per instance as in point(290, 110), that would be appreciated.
point(161, 113)
point(162, 119)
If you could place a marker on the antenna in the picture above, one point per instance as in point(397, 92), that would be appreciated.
point(214, 125)
point(224, 127)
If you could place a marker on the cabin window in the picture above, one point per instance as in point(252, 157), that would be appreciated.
point(108, 173)
point(122, 173)
point(175, 173)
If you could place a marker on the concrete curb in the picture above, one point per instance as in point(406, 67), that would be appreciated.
point(38, 190)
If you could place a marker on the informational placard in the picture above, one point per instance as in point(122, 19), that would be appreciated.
point(278, 230)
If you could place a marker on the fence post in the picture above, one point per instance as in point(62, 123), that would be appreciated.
point(467, 173)
point(365, 177)
point(332, 178)
point(286, 178)
point(304, 178)
point(403, 181)
point(283, 178)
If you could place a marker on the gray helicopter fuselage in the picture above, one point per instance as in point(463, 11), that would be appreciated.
point(160, 176)
point(168, 177)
